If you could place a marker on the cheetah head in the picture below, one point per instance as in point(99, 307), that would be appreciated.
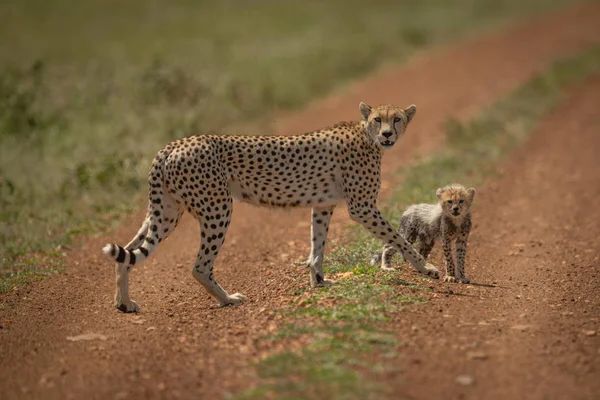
point(455, 200)
point(386, 123)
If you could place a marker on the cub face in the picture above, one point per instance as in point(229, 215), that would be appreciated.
point(455, 200)
point(386, 123)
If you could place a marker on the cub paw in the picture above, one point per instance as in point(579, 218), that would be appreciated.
point(387, 268)
point(233, 299)
point(431, 271)
point(464, 279)
point(128, 307)
point(449, 278)
point(326, 282)
point(375, 260)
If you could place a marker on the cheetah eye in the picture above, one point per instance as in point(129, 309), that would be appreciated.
point(396, 119)
point(377, 119)
point(449, 201)
point(461, 201)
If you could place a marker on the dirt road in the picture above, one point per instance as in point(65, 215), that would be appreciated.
point(180, 345)
point(529, 326)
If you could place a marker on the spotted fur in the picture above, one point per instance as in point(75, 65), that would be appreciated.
point(448, 220)
point(204, 174)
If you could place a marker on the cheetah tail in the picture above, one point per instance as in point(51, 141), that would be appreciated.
point(155, 209)
point(131, 257)
point(149, 238)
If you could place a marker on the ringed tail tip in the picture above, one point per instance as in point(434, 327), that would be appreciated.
point(109, 250)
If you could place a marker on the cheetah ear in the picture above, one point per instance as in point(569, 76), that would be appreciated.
point(439, 192)
point(365, 110)
point(471, 192)
point(410, 112)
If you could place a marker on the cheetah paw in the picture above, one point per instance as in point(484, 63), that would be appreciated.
point(464, 279)
point(233, 299)
point(375, 260)
point(385, 268)
point(127, 307)
point(431, 271)
point(449, 278)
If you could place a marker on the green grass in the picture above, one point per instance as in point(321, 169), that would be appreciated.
point(311, 374)
point(89, 91)
point(346, 323)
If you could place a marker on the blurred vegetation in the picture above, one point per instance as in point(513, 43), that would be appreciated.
point(90, 90)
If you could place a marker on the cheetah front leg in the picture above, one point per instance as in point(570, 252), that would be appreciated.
point(369, 216)
point(461, 252)
point(319, 228)
point(408, 233)
point(448, 258)
point(426, 246)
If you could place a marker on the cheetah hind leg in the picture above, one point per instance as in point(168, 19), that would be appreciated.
point(213, 227)
point(122, 301)
point(171, 216)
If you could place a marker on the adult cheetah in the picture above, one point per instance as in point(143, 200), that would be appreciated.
point(204, 174)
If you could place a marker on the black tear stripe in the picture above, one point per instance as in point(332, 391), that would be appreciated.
point(144, 251)
point(113, 250)
point(121, 256)
point(131, 258)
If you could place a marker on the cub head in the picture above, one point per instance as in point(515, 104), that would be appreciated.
point(455, 200)
point(386, 123)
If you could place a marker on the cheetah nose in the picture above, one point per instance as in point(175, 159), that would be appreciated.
point(387, 134)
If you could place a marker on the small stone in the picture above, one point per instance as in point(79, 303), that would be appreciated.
point(476, 355)
point(589, 333)
point(121, 396)
point(465, 380)
point(87, 336)
point(521, 327)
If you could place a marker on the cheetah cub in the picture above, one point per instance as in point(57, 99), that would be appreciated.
point(449, 219)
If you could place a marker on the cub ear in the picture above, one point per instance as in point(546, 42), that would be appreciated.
point(439, 192)
point(365, 110)
point(410, 112)
point(471, 192)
